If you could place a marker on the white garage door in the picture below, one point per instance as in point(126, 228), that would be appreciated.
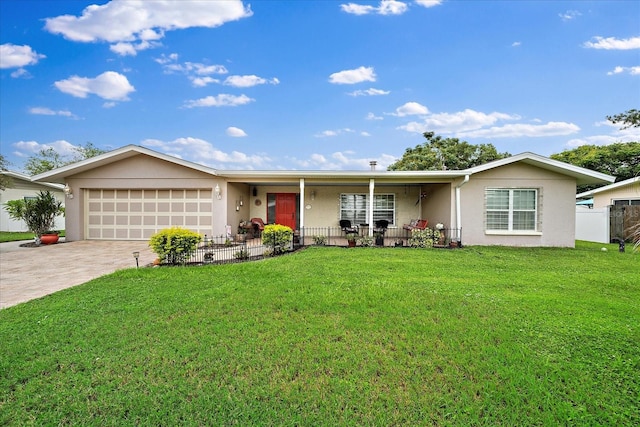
point(138, 214)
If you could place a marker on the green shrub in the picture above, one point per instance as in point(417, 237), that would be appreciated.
point(365, 241)
point(277, 237)
point(174, 245)
point(319, 240)
point(423, 238)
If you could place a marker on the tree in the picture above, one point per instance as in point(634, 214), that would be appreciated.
point(629, 119)
point(439, 153)
point(5, 181)
point(48, 158)
point(621, 160)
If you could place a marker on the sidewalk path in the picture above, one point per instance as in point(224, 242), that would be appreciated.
point(22, 270)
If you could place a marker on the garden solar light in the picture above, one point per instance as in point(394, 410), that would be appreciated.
point(136, 255)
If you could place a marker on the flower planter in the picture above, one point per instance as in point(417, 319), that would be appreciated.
point(49, 239)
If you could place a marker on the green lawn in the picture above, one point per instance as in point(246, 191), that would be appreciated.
point(13, 236)
point(333, 336)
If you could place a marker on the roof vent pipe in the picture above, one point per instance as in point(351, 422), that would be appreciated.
point(373, 164)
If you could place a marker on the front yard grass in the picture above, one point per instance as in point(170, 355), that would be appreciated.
point(334, 336)
point(14, 236)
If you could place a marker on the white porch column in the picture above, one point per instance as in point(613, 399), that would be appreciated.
point(458, 207)
point(301, 202)
point(372, 185)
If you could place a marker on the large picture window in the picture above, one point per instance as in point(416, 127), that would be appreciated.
point(511, 209)
point(354, 207)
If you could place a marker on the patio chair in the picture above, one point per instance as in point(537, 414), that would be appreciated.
point(381, 226)
point(416, 224)
point(345, 224)
point(258, 226)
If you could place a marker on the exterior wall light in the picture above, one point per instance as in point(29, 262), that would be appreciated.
point(68, 191)
point(218, 192)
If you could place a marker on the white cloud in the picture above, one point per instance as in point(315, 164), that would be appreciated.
point(14, 56)
point(371, 116)
point(201, 151)
point(569, 15)
point(369, 92)
point(139, 24)
point(634, 71)
point(329, 133)
point(516, 44)
point(235, 132)
point(616, 135)
point(29, 148)
point(357, 9)
point(21, 72)
point(222, 100)
point(411, 109)
point(343, 160)
point(248, 81)
point(109, 85)
point(359, 75)
point(385, 7)
point(461, 121)
point(519, 130)
point(203, 81)
point(612, 43)
point(199, 74)
point(132, 49)
point(44, 111)
point(429, 3)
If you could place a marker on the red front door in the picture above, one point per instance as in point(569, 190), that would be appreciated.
point(286, 209)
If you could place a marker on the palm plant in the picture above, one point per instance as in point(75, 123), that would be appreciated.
point(39, 214)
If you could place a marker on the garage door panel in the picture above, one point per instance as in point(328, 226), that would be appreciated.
point(138, 214)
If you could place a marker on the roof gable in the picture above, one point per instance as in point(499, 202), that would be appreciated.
point(582, 175)
point(60, 174)
point(27, 178)
point(610, 187)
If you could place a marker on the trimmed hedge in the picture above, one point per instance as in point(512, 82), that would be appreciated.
point(174, 245)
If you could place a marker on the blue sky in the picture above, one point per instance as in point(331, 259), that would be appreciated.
point(274, 84)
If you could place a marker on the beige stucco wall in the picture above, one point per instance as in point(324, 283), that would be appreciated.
point(20, 189)
point(324, 209)
point(606, 198)
point(138, 172)
point(556, 210)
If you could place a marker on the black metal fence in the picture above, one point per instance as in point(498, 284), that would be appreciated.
point(240, 248)
point(335, 236)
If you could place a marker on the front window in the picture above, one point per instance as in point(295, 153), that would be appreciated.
point(511, 209)
point(354, 207)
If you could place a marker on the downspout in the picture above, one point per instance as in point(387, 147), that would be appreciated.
point(372, 185)
point(302, 203)
point(458, 209)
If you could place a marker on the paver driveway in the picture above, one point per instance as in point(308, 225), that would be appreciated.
point(28, 273)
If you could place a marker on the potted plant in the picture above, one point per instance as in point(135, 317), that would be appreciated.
point(351, 239)
point(39, 214)
point(440, 235)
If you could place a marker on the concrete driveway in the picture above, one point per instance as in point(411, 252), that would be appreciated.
point(29, 273)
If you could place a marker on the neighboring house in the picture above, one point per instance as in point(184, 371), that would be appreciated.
point(22, 187)
point(132, 192)
point(613, 209)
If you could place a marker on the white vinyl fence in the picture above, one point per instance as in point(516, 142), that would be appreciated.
point(592, 225)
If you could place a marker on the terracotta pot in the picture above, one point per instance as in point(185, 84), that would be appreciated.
point(49, 239)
